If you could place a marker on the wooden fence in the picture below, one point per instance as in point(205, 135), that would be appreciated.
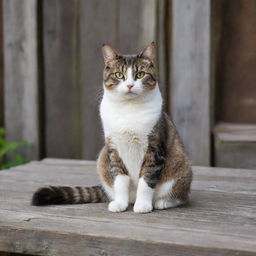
point(53, 65)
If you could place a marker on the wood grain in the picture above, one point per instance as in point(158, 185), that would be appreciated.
point(235, 154)
point(1, 67)
point(190, 100)
point(129, 27)
point(21, 74)
point(235, 78)
point(162, 39)
point(220, 219)
point(235, 132)
point(136, 27)
point(62, 91)
point(235, 145)
point(98, 21)
point(11, 254)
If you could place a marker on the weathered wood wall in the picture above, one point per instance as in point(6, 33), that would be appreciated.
point(73, 32)
point(190, 97)
point(61, 87)
point(236, 76)
point(21, 74)
point(53, 69)
point(1, 67)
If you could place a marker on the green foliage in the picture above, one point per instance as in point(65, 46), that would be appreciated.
point(10, 148)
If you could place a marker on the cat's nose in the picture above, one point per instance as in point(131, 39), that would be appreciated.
point(130, 86)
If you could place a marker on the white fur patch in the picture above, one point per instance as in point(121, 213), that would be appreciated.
point(162, 196)
point(166, 203)
point(164, 190)
point(76, 194)
point(109, 190)
point(121, 194)
point(144, 198)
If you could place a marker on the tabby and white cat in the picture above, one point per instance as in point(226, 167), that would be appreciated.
point(143, 161)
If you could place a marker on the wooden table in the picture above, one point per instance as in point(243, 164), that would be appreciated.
point(220, 220)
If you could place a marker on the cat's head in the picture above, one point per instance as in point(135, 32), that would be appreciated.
point(129, 76)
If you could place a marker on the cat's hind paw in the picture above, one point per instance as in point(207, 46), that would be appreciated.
point(142, 207)
point(161, 204)
point(116, 206)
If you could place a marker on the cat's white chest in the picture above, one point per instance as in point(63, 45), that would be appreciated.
point(128, 131)
point(127, 127)
point(131, 148)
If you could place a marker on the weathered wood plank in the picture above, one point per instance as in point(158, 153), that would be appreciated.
point(224, 208)
point(235, 145)
point(40, 243)
point(129, 26)
point(1, 67)
point(235, 132)
point(21, 74)
point(223, 180)
point(235, 78)
point(67, 162)
point(190, 97)
point(235, 154)
point(62, 92)
point(12, 254)
point(163, 29)
point(99, 17)
point(81, 224)
point(217, 8)
point(218, 220)
point(136, 27)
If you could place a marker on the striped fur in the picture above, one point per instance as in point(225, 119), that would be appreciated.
point(68, 195)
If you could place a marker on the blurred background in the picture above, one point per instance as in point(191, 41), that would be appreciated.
point(51, 73)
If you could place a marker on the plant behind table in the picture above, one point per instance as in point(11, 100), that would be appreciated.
point(9, 156)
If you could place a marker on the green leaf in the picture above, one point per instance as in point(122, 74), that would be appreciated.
point(2, 131)
point(10, 148)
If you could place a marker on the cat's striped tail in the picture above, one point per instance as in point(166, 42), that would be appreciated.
point(69, 195)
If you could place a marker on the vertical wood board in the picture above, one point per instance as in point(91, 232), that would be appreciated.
point(162, 40)
point(1, 67)
point(236, 76)
point(129, 26)
point(62, 92)
point(191, 76)
point(21, 74)
point(98, 25)
point(136, 25)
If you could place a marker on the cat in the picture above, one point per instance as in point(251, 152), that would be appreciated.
point(143, 161)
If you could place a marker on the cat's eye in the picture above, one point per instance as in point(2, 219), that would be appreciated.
point(119, 75)
point(140, 74)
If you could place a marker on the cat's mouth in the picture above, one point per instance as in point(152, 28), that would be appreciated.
point(130, 92)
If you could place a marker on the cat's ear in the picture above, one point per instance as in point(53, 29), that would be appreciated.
point(149, 52)
point(109, 53)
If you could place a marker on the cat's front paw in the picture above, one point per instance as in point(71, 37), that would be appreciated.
point(116, 206)
point(142, 207)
